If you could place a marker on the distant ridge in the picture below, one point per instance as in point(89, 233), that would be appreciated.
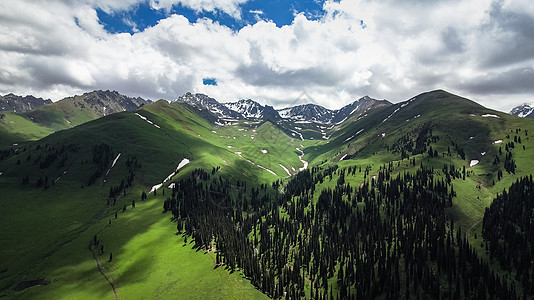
point(252, 110)
point(15, 103)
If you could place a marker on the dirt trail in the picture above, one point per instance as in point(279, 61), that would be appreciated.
point(103, 272)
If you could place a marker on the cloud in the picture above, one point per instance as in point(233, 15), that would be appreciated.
point(513, 81)
point(230, 7)
point(476, 48)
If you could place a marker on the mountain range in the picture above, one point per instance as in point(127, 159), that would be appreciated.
point(11, 102)
point(251, 110)
point(199, 199)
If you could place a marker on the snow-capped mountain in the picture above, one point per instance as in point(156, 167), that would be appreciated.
point(523, 111)
point(201, 101)
point(250, 109)
point(318, 114)
point(308, 113)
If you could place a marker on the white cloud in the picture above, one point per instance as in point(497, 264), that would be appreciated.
point(57, 48)
point(230, 7)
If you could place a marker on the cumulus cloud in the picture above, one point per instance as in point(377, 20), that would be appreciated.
point(476, 48)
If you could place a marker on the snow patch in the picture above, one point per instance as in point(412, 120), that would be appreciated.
point(240, 154)
point(147, 120)
point(525, 113)
point(65, 172)
point(497, 142)
point(301, 137)
point(341, 121)
point(473, 163)
point(482, 153)
point(182, 164)
point(343, 157)
point(394, 112)
point(350, 138)
point(305, 163)
point(264, 151)
point(285, 169)
point(267, 170)
point(112, 165)
point(490, 116)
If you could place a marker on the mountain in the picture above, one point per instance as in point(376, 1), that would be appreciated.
point(11, 102)
point(250, 109)
point(203, 102)
point(363, 104)
point(523, 111)
point(76, 110)
point(308, 113)
point(63, 114)
point(254, 212)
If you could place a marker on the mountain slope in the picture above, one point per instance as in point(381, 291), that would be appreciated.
point(63, 114)
point(11, 102)
point(76, 110)
point(439, 157)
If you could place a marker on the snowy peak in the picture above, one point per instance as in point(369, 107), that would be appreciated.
point(203, 102)
point(523, 111)
point(308, 113)
point(318, 114)
point(11, 102)
point(250, 109)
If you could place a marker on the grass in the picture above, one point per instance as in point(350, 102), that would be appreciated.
point(47, 232)
point(149, 262)
point(15, 128)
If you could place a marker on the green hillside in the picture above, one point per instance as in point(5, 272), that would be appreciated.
point(63, 114)
point(150, 149)
point(83, 221)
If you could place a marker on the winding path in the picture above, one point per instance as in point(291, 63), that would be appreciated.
point(103, 272)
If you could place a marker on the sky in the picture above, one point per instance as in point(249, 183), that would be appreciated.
point(280, 53)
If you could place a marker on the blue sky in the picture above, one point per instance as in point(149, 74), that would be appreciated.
point(281, 12)
point(334, 51)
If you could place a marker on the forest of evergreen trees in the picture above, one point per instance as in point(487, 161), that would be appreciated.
point(389, 237)
point(508, 227)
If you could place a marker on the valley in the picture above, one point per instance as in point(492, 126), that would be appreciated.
point(201, 200)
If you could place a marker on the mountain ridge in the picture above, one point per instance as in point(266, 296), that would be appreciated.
point(16, 103)
point(250, 109)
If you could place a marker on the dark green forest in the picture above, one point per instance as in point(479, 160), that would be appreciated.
point(388, 238)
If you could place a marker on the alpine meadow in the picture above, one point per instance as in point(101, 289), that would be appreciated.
point(266, 169)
